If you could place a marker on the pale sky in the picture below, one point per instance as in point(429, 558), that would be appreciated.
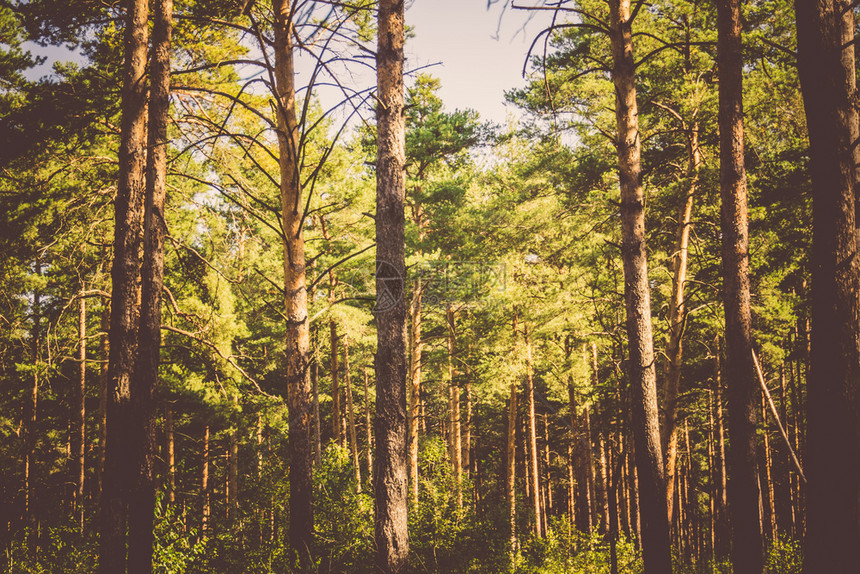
point(477, 66)
point(480, 51)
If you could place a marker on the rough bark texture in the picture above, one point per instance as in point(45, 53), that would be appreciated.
point(646, 430)
point(392, 541)
point(833, 410)
point(120, 470)
point(145, 377)
point(295, 292)
point(741, 384)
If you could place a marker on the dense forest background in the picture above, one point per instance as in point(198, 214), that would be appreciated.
point(519, 401)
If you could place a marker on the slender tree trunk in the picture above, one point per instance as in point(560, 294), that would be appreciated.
point(768, 477)
point(171, 455)
point(646, 429)
point(416, 352)
point(532, 437)
point(31, 408)
point(827, 80)
point(79, 414)
point(511, 471)
point(120, 475)
point(392, 541)
point(104, 352)
point(144, 380)
point(233, 476)
point(368, 430)
point(204, 485)
point(317, 433)
point(467, 425)
point(295, 290)
point(455, 445)
point(336, 428)
point(678, 317)
point(350, 412)
point(743, 493)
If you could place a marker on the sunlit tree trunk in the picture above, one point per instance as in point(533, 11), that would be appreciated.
point(511, 470)
point(120, 474)
point(295, 290)
point(677, 316)
point(391, 536)
point(141, 537)
point(646, 429)
point(534, 474)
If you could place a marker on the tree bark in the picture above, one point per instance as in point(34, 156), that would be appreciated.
point(350, 413)
point(511, 471)
point(144, 380)
point(120, 475)
point(368, 430)
point(646, 429)
point(79, 414)
point(336, 428)
point(204, 485)
point(392, 541)
point(416, 344)
point(833, 409)
point(534, 474)
point(297, 341)
point(743, 487)
point(171, 454)
point(678, 317)
point(455, 445)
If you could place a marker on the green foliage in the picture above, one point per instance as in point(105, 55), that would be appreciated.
point(343, 516)
point(176, 547)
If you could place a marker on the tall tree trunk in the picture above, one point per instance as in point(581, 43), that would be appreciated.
point(204, 485)
point(392, 540)
point(743, 487)
point(833, 409)
point(79, 414)
point(171, 454)
point(678, 317)
point(317, 432)
point(141, 512)
point(467, 424)
point(350, 412)
point(31, 408)
point(455, 445)
point(295, 291)
point(336, 428)
point(368, 430)
point(104, 352)
point(646, 428)
point(120, 473)
point(534, 474)
point(511, 471)
point(416, 344)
